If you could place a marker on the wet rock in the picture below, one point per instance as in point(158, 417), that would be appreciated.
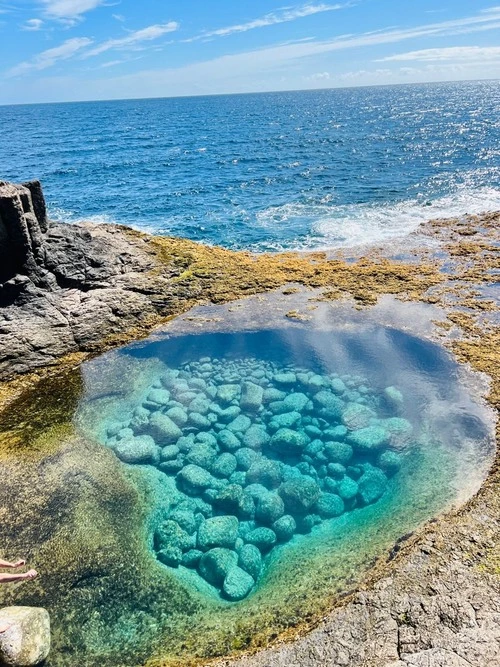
point(244, 457)
point(237, 584)
point(400, 432)
point(198, 420)
point(186, 520)
point(337, 386)
point(270, 507)
point(191, 558)
point(271, 394)
point(219, 531)
point(163, 429)
point(299, 495)
point(263, 538)
point(330, 402)
point(389, 462)
point(357, 416)
point(139, 449)
point(288, 442)
point(284, 528)
point(296, 402)
point(171, 556)
point(215, 564)
point(256, 437)
point(251, 397)
point(201, 455)
point(177, 415)
point(200, 405)
point(264, 472)
point(368, 438)
point(250, 560)
point(239, 425)
point(285, 379)
point(26, 641)
point(193, 479)
point(228, 441)
point(347, 488)
point(226, 415)
point(371, 485)
point(169, 452)
point(336, 470)
point(229, 499)
point(158, 396)
point(338, 452)
point(329, 505)
point(225, 464)
point(227, 393)
point(284, 420)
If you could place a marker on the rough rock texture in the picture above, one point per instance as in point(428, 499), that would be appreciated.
point(64, 287)
point(27, 639)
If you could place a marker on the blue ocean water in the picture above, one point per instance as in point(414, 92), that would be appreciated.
point(266, 171)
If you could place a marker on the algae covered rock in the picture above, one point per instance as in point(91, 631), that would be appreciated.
point(299, 495)
point(264, 472)
point(193, 479)
point(250, 560)
point(269, 508)
point(237, 584)
point(256, 437)
point(347, 488)
point(224, 465)
point(26, 641)
point(263, 538)
point(215, 564)
point(338, 452)
point(170, 534)
point(228, 441)
point(171, 556)
point(163, 429)
point(218, 531)
point(288, 442)
point(369, 438)
point(251, 397)
point(371, 485)
point(389, 462)
point(284, 528)
point(329, 505)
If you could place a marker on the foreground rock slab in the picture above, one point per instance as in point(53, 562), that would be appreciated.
point(26, 641)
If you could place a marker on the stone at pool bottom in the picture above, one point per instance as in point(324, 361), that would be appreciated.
point(26, 641)
point(259, 459)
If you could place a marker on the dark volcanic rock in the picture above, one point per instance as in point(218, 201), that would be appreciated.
point(64, 288)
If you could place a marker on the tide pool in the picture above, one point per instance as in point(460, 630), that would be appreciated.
point(278, 463)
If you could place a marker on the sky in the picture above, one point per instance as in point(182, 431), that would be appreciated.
point(71, 50)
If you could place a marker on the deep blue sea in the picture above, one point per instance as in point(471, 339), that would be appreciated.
point(266, 171)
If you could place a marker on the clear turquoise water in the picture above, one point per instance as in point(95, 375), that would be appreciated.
point(275, 450)
point(285, 170)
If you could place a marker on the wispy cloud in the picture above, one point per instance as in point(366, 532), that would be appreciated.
point(50, 57)
point(133, 39)
point(289, 14)
point(69, 9)
point(32, 25)
point(468, 53)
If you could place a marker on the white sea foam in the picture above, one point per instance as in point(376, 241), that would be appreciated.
point(332, 226)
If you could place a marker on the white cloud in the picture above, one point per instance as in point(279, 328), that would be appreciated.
point(148, 34)
point(32, 25)
point(289, 14)
point(69, 9)
point(50, 57)
point(467, 53)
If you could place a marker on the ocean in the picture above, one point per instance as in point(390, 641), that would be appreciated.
point(265, 172)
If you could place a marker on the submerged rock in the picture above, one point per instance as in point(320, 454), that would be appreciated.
point(215, 564)
point(299, 495)
point(219, 531)
point(141, 449)
point(237, 584)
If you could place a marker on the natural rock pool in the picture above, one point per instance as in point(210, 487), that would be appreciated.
point(281, 461)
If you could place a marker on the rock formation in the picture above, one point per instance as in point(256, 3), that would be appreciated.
point(65, 287)
point(26, 641)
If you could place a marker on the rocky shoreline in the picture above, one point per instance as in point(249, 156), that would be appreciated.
point(70, 291)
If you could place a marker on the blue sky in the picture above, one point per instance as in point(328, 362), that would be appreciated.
point(65, 50)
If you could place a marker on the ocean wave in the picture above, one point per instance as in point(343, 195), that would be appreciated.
point(334, 226)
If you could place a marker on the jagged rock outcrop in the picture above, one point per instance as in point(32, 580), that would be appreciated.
point(65, 287)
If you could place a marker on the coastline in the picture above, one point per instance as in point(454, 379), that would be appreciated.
point(160, 278)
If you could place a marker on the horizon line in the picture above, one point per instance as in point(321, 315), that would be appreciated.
point(256, 92)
